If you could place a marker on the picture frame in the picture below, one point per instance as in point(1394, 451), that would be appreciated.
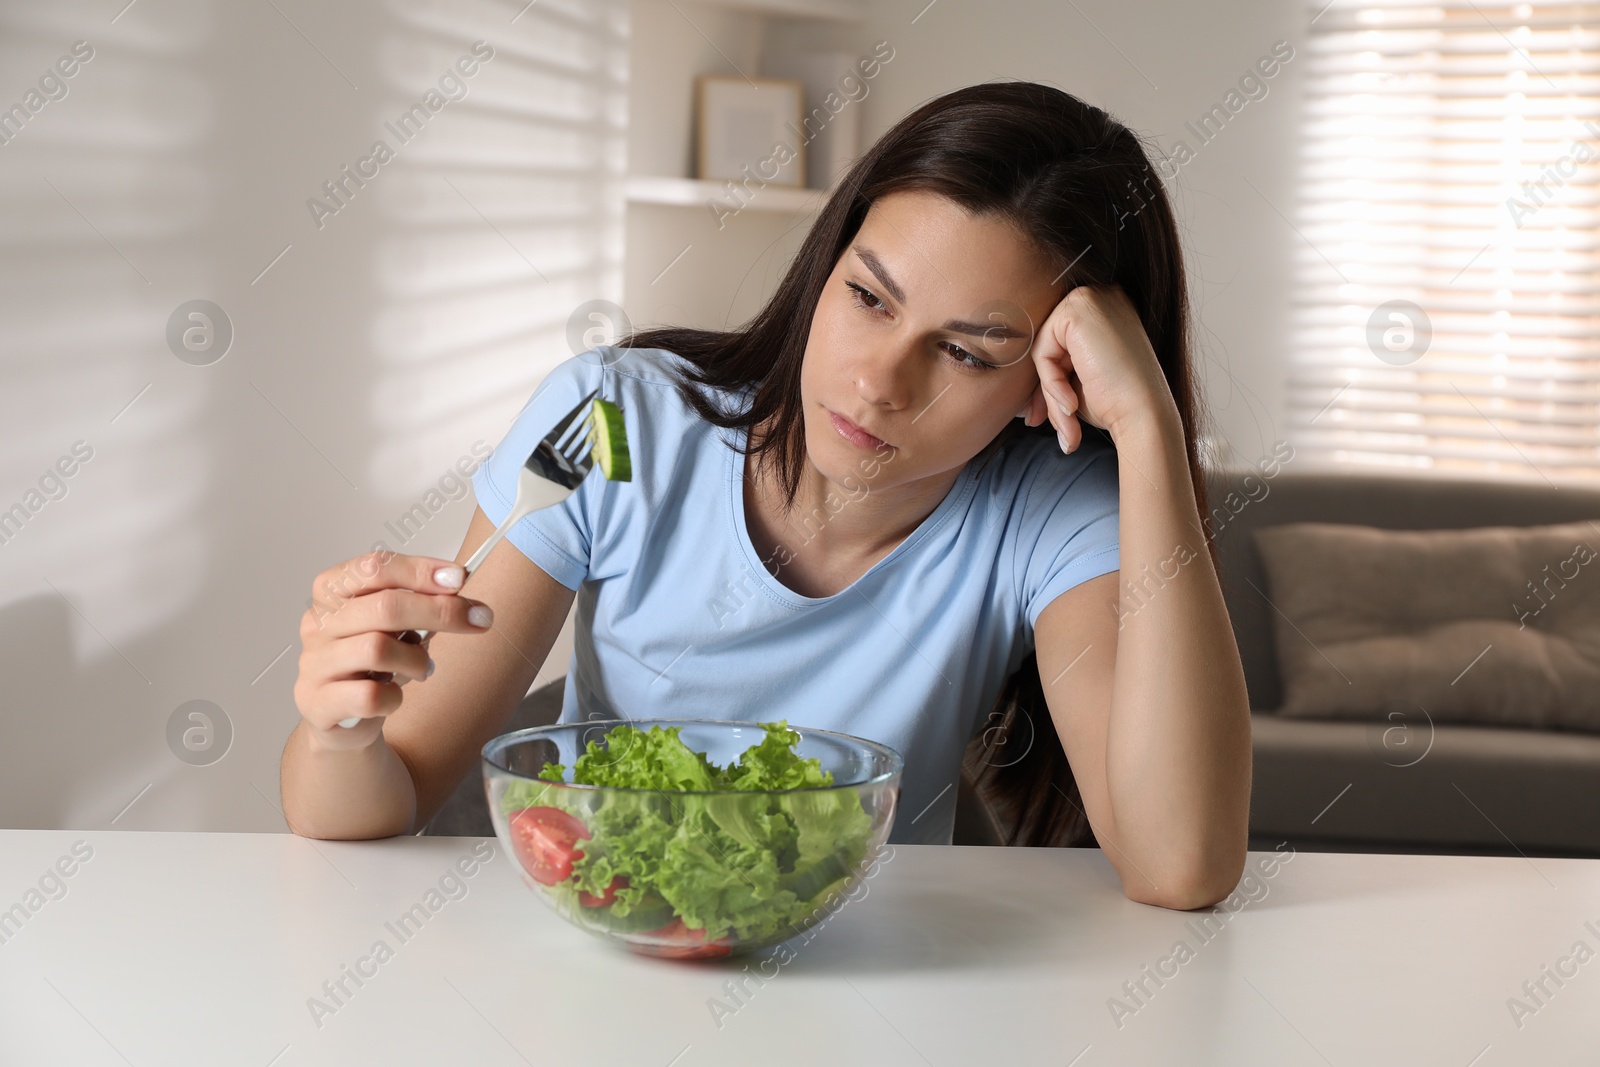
point(748, 129)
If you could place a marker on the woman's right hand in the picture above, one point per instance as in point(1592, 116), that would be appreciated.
point(358, 610)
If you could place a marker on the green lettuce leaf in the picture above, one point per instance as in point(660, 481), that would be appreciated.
point(730, 864)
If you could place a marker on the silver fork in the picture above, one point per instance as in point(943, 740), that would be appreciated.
point(556, 468)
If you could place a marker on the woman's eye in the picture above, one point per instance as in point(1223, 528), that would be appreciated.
point(958, 355)
point(861, 296)
point(967, 359)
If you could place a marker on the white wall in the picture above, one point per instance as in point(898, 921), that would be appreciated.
point(366, 362)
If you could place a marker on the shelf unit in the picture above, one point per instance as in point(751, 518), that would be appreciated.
point(693, 192)
point(847, 11)
point(683, 264)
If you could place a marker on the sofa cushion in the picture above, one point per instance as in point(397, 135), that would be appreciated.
point(1497, 624)
point(1479, 788)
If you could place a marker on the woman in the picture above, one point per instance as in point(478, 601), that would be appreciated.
point(900, 497)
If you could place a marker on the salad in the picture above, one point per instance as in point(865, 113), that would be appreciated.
point(689, 855)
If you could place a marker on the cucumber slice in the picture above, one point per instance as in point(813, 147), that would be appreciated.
point(610, 438)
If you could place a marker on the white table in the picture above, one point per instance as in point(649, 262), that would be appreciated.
point(191, 948)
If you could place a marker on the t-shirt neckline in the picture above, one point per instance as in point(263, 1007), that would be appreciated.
point(956, 497)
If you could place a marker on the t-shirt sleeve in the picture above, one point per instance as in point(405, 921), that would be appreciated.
point(1068, 532)
point(557, 538)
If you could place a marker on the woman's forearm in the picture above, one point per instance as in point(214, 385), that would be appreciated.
point(1178, 741)
point(345, 794)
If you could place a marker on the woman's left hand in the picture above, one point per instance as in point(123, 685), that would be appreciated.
point(1095, 363)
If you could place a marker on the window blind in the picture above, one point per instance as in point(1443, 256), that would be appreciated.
point(1446, 313)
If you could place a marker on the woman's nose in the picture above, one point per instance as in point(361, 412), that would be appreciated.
point(886, 378)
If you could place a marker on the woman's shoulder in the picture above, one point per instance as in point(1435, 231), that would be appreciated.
point(658, 367)
point(643, 380)
point(1032, 463)
point(653, 377)
point(668, 442)
point(1056, 513)
point(613, 367)
point(1031, 489)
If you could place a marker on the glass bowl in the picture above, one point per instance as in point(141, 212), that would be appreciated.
point(720, 873)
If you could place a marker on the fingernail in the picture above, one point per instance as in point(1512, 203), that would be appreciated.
point(1061, 437)
point(450, 577)
point(480, 615)
point(429, 673)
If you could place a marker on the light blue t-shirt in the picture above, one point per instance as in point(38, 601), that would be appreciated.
point(678, 618)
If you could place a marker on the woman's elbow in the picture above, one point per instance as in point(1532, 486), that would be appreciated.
point(1202, 888)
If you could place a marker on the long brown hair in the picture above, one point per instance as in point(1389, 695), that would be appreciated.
point(1077, 181)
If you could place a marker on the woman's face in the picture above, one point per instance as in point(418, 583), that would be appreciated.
point(922, 337)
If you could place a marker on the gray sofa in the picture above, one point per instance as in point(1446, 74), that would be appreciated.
point(1337, 785)
point(1343, 785)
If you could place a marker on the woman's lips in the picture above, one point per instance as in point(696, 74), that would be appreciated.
point(855, 434)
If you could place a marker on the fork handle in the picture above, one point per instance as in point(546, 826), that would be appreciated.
point(517, 514)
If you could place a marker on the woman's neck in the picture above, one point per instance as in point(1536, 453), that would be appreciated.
point(833, 533)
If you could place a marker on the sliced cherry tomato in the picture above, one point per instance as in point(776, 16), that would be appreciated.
point(545, 840)
point(589, 900)
point(679, 942)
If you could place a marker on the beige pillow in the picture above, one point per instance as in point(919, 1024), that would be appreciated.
point(1371, 621)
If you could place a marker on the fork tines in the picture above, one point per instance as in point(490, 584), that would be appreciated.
point(559, 455)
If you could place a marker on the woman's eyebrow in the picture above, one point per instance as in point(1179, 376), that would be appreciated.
point(970, 329)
